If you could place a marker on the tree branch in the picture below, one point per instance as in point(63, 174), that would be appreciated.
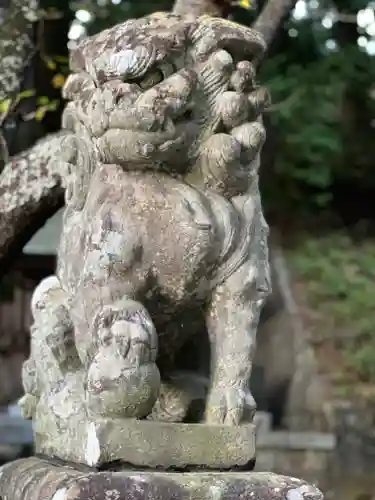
point(216, 8)
point(30, 193)
point(272, 15)
point(267, 22)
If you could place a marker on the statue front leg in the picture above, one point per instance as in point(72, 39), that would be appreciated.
point(29, 400)
point(232, 321)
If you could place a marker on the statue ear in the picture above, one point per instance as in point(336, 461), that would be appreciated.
point(214, 33)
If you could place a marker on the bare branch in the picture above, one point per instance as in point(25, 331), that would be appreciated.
point(217, 8)
point(271, 17)
point(267, 22)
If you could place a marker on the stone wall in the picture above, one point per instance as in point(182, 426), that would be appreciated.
point(309, 455)
point(306, 455)
point(341, 463)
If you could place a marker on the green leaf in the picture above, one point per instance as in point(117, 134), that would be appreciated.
point(5, 105)
point(43, 100)
point(40, 113)
point(26, 94)
point(322, 199)
point(52, 105)
point(50, 63)
point(62, 59)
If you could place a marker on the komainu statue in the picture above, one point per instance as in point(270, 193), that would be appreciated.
point(164, 245)
point(142, 344)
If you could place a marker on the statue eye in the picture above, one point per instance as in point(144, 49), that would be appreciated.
point(152, 78)
point(155, 76)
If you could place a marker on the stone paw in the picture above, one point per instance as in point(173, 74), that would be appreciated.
point(230, 406)
point(27, 404)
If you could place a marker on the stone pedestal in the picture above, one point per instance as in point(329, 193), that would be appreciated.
point(153, 444)
point(37, 479)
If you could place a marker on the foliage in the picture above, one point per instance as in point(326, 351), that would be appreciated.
point(106, 13)
point(58, 67)
point(338, 274)
point(322, 100)
point(314, 116)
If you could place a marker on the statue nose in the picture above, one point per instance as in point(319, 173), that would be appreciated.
point(170, 97)
point(125, 93)
point(136, 118)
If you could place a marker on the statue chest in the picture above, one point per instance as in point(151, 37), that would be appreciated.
point(71, 251)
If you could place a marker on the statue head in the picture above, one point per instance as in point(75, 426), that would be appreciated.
point(145, 92)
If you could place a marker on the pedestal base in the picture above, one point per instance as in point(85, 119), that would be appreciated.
point(165, 445)
point(33, 478)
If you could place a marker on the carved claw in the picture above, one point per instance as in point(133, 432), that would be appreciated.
point(233, 108)
point(230, 406)
point(251, 136)
point(243, 77)
point(27, 406)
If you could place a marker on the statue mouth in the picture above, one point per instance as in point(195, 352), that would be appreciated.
point(187, 116)
point(183, 118)
point(148, 120)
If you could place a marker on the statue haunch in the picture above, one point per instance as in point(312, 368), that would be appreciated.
point(163, 234)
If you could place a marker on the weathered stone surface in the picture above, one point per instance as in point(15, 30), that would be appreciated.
point(163, 240)
point(156, 444)
point(30, 192)
point(33, 478)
